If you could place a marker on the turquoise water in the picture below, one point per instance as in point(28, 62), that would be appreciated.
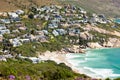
point(117, 21)
point(98, 62)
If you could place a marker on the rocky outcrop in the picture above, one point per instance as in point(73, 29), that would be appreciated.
point(112, 42)
point(107, 44)
point(86, 35)
point(94, 45)
point(74, 49)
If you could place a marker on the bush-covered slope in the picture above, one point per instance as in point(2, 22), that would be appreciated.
point(45, 71)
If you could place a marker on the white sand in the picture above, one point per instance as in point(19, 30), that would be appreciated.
point(57, 57)
point(61, 58)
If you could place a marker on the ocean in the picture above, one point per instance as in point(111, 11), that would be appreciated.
point(97, 63)
point(117, 20)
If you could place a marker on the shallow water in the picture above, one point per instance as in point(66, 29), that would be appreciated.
point(100, 63)
point(117, 21)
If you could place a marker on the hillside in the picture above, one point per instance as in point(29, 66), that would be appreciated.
point(6, 6)
point(108, 7)
point(10, 5)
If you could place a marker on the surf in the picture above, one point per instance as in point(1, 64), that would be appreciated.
point(100, 63)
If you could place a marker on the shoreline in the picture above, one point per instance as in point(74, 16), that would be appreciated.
point(60, 57)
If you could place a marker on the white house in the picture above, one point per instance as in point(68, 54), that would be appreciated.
point(53, 25)
point(34, 59)
point(45, 32)
point(16, 42)
point(3, 14)
point(13, 14)
point(6, 21)
point(25, 40)
point(61, 31)
point(2, 58)
point(2, 27)
point(19, 12)
point(7, 31)
point(55, 33)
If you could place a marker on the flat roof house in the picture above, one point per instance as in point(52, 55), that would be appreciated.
point(7, 31)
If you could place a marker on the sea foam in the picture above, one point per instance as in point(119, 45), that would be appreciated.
point(97, 63)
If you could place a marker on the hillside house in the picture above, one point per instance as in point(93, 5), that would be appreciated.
point(39, 33)
point(30, 37)
point(1, 38)
point(21, 26)
point(6, 31)
point(53, 25)
point(24, 40)
point(13, 15)
point(17, 19)
point(2, 58)
point(5, 21)
point(73, 32)
point(55, 33)
point(41, 38)
point(19, 12)
point(15, 42)
point(2, 27)
point(4, 14)
point(34, 59)
point(45, 32)
point(61, 31)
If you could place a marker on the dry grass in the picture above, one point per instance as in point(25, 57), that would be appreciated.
point(108, 7)
point(10, 5)
point(46, 2)
point(5, 6)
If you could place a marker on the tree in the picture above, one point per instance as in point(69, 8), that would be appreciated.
point(7, 45)
point(34, 10)
point(32, 32)
point(31, 16)
point(82, 41)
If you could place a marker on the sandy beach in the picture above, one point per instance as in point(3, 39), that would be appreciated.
point(58, 57)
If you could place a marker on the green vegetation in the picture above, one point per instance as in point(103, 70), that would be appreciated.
point(26, 49)
point(47, 70)
point(109, 27)
point(32, 24)
point(31, 16)
point(30, 49)
point(98, 37)
point(106, 26)
point(118, 27)
point(1, 45)
point(117, 79)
